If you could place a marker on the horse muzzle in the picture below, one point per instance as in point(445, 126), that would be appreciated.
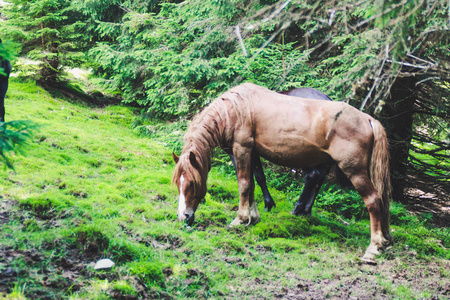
point(188, 217)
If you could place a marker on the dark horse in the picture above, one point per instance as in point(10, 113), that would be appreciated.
point(314, 176)
point(5, 66)
point(292, 132)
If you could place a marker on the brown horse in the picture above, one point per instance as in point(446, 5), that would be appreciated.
point(297, 133)
point(314, 176)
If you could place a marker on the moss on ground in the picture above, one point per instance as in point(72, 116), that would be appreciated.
point(90, 187)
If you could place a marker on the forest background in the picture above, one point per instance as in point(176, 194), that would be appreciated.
point(168, 59)
point(388, 58)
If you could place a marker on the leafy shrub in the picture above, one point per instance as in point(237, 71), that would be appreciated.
point(283, 179)
point(444, 236)
point(347, 203)
point(14, 136)
point(401, 216)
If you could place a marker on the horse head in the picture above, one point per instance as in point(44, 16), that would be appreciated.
point(191, 188)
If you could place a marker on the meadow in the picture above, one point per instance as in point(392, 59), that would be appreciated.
point(95, 182)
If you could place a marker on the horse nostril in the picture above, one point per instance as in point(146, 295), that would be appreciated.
point(189, 219)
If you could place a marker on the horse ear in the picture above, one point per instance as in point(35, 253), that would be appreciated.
point(175, 157)
point(193, 160)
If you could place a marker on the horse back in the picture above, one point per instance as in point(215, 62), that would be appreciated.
point(299, 132)
point(306, 92)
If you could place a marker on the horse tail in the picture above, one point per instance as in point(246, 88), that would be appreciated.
point(379, 173)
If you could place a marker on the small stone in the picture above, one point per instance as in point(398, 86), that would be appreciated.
point(104, 264)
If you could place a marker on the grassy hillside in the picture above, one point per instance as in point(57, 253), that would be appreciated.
point(91, 188)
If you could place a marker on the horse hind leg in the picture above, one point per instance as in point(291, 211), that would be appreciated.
point(261, 180)
point(314, 178)
point(372, 200)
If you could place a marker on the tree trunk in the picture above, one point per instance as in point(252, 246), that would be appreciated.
point(397, 117)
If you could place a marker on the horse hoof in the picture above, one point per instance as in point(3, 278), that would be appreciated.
point(268, 205)
point(268, 208)
point(369, 261)
point(300, 213)
point(235, 223)
point(238, 221)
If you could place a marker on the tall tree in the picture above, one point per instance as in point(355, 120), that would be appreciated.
point(49, 31)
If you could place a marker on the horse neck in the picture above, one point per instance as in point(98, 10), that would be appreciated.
point(198, 173)
point(202, 147)
point(210, 129)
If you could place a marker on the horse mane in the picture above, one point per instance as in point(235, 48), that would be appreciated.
point(214, 127)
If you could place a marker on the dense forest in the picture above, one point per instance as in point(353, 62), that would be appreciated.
point(388, 58)
point(95, 180)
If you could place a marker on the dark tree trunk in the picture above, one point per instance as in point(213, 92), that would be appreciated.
point(397, 117)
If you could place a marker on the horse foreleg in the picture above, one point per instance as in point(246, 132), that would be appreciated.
point(248, 211)
point(261, 180)
point(258, 172)
point(314, 178)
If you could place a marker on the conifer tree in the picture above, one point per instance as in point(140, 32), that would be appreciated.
point(14, 135)
point(49, 32)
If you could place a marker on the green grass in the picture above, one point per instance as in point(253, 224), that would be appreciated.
point(90, 187)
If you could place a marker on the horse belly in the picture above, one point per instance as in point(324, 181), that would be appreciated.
point(293, 154)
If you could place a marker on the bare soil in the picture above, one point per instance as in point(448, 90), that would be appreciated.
point(364, 282)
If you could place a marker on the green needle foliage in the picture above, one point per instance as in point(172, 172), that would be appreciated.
point(50, 32)
point(14, 137)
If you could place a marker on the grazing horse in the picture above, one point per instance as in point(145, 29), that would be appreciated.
point(314, 176)
point(297, 133)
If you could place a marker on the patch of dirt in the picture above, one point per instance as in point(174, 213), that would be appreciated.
point(8, 273)
point(69, 272)
point(165, 242)
point(96, 99)
point(236, 261)
point(365, 282)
